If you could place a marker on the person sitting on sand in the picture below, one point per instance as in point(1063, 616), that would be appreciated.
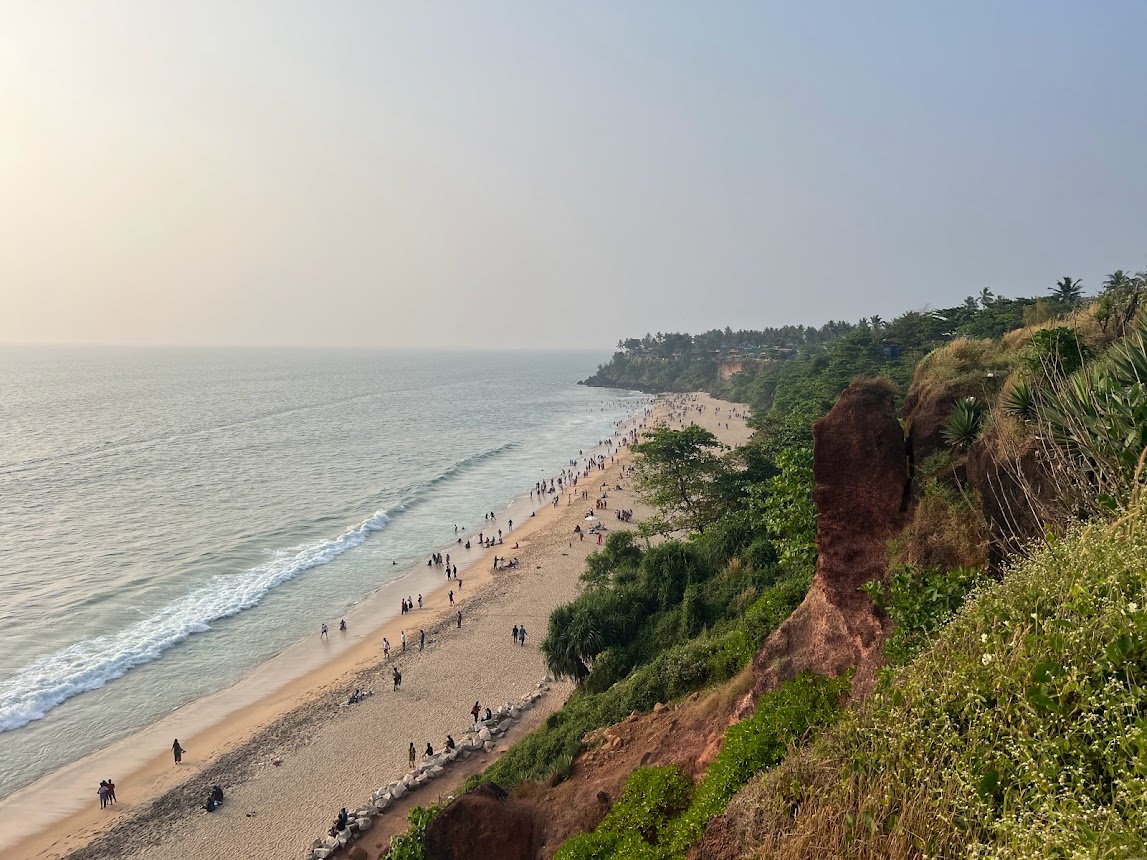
point(489, 715)
point(429, 750)
point(217, 794)
point(450, 743)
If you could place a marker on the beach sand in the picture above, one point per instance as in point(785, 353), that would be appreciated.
point(334, 756)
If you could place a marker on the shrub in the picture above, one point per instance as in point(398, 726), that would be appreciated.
point(919, 601)
point(964, 424)
point(411, 844)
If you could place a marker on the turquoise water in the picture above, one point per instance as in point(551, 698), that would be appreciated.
point(169, 519)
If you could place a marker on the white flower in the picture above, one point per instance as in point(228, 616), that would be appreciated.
point(1132, 607)
point(983, 637)
point(986, 659)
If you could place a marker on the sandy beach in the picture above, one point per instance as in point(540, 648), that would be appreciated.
point(332, 755)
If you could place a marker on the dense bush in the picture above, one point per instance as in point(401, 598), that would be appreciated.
point(919, 601)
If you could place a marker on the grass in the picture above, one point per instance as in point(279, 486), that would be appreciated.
point(1020, 733)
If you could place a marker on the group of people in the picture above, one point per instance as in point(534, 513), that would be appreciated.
point(408, 604)
point(519, 636)
point(214, 799)
point(412, 753)
point(107, 793)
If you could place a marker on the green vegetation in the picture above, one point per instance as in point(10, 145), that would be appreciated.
point(411, 844)
point(919, 601)
point(660, 815)
point(707, 659)
point(677, 473)
point(1018, 733)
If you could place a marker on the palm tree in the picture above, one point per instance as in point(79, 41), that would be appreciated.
point(877, 322)
point(1067, 290)
point(986, 297)
point(1117, 281)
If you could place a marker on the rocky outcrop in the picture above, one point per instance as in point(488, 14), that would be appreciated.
point(485, 822)
point(860, 471)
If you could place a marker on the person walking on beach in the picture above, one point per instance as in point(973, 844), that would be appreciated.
point(412, 753)
point(103, 793)
point(111, 791)
point(396, 676)
point(323, 631)
point(178, 751)
point(420, 601)
point(421, 639)
point(514, 634)
point(522, 634)
point(404, 640)
point(459, 619)
point(451, 598)
point(475, 711)
point(385, 648)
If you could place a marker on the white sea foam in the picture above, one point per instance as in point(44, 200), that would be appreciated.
point(37, 688)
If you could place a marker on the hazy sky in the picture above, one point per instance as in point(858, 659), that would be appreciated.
point(553, 174)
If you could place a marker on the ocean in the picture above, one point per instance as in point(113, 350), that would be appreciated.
point(171, 518)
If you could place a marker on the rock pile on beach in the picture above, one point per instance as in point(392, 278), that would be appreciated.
point(479, 737)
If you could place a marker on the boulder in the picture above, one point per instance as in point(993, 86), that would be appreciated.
point(398, 791)
point(486, 822)
point(484, 734)
point(322, 853)
point(364, 823)
point(488, 746)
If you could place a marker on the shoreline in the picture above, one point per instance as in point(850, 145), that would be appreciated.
point(237, 749)
point(212, 725)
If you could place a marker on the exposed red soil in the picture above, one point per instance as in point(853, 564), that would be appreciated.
point(860, 471)
point(485, 822)
point(687, 734)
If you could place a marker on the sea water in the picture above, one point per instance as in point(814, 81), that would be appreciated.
point(169, 519)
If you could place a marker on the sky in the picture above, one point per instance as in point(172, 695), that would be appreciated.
point(553, 175)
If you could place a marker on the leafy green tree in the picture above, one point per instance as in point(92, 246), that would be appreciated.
point(677, 472)
point(785, 505)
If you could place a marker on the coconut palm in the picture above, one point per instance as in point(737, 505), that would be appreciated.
point(986, 297)
point(1068, 290)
